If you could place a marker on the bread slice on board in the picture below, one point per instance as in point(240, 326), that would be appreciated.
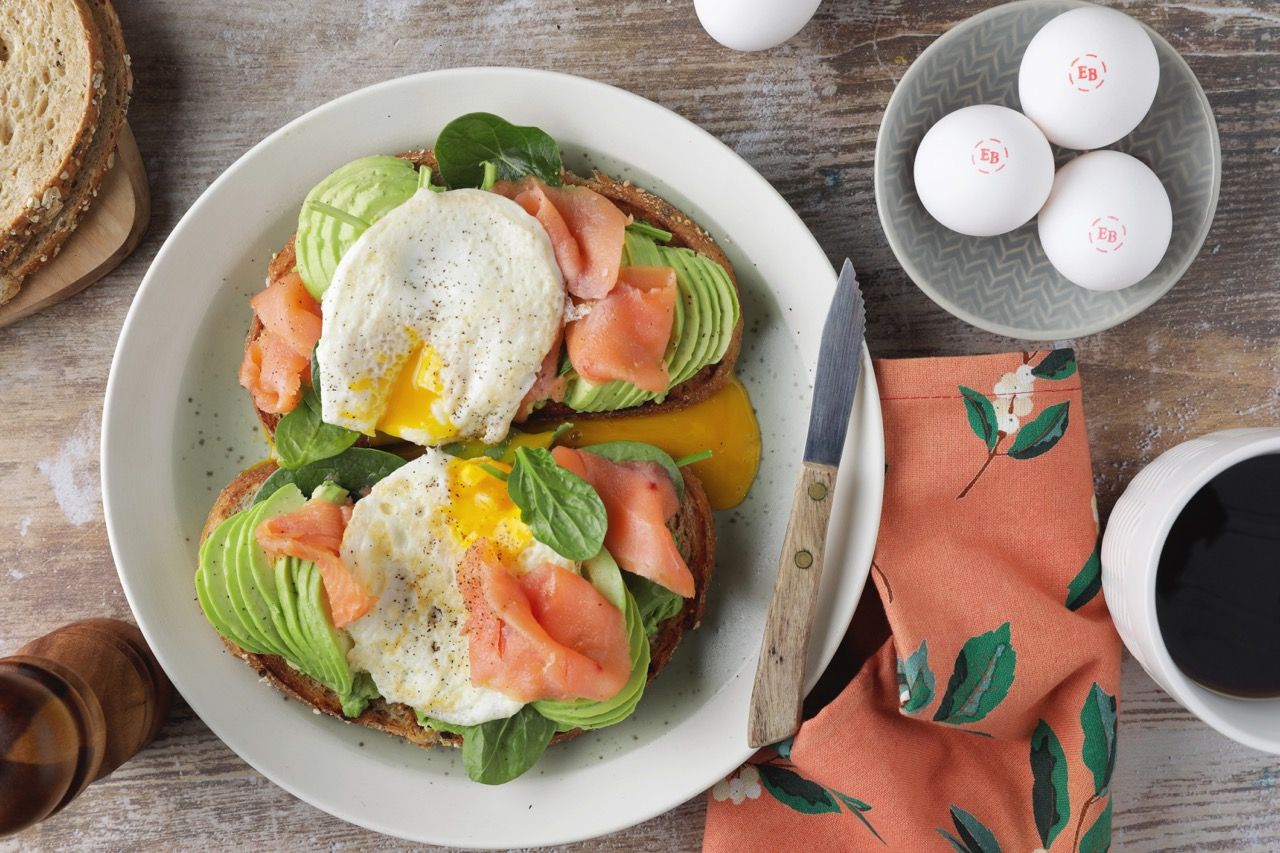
point(636, 202)
point(117, 87)
point(51, 85)
point(692, 527)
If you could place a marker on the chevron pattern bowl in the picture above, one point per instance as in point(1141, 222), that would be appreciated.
point(1005, 284)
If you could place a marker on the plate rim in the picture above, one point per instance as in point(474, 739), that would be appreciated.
point(867, 402)
point(897, 245)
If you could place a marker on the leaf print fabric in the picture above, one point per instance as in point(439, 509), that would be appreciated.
point(985, 717)
point(982, 677)
point(915, 681)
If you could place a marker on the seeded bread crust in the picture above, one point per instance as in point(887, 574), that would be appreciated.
point(98, 158)
point(692, 526)
point(634, 201)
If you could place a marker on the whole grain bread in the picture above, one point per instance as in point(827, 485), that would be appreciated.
point(692, 526)
point(99, 156)
point(51, 84)
point(633, 200)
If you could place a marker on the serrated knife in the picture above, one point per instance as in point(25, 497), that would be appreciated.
point(778, 693)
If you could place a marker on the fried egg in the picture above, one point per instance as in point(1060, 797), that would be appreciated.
point(438, 319)
point(405, 541)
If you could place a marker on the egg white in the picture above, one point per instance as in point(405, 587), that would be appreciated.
point(467, 273)
point(412, 643)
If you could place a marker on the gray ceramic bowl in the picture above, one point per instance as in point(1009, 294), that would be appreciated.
point(1005, 284)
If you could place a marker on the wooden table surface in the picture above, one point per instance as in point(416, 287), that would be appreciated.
point(214, 78)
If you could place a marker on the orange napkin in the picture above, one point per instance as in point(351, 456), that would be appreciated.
point(986, 721)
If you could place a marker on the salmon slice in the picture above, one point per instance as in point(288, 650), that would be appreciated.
point(586, 231)
point(549, 634)
point(548, 385)
point(625, 335)
point(639, 498)
point(287, 309)
point(272, 372)
point(314, 533)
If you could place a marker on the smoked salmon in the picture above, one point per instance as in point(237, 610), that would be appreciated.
point(277, 360)
point(626, 333)
point(547, 385)
point(314, 533)
point(287, 309)
point(272, 371)
point(548, 634)
point(586, 230)
point(639, 498)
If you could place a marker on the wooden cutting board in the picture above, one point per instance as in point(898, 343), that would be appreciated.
point(105, 237)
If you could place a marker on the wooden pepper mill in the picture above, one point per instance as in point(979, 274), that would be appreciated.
point(74, 705)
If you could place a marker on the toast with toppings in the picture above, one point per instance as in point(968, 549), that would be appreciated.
point(637, 205)
point(692, 527)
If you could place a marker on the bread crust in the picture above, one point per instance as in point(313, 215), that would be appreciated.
point(99, 156)
point(693, 527)
point(50, 196)
point(634, 201)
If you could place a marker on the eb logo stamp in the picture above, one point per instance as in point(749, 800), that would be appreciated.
point(1087, 73)
point(989, 155)
point(1107, 234)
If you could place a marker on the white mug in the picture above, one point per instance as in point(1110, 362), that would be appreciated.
point(1136, 533)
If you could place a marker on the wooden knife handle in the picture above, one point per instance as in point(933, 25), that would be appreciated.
point(778, 693)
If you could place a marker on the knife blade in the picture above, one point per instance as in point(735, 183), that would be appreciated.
point(778, 693)
point(839, 365)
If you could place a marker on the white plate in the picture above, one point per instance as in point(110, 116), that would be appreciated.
point(177, 427)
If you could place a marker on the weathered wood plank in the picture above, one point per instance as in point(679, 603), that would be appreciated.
point(213, 78)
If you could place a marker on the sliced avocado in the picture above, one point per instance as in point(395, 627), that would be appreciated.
point(262, 569)
point(707, 312)
point(639, 250)
point(328, 646)
point(242, 586)
point(211, 590)
point(709, 302)
point(342, 207)
point(277, 607)
point(605, 576)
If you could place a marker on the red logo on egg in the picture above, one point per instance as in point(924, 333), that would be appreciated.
point(989, 155)
point(1087, 73)
point(1107, 234)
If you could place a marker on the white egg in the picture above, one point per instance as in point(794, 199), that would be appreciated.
point(1088, 77)
point(438, 319)
point(983, 170)
point(404, 542)
point(754, 24)
point(1107, 223)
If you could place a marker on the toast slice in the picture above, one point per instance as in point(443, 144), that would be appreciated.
point(634, 201)
point(51, 85)
point(692, 526)
point(99, 156)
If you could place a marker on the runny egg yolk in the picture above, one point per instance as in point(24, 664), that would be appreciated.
point(415, 401)
point(480, 508)
point(724, 423)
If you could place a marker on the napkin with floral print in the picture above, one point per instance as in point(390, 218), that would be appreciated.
point(986, 721)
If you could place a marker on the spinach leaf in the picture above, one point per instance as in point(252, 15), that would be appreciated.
point(356, 469)
point(302, 437)
point(560, 507)
point(657, 603)
point(638, 451)
point(500, 750)
point(469, 141)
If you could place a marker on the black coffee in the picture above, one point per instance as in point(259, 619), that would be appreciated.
point(1218, 585)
